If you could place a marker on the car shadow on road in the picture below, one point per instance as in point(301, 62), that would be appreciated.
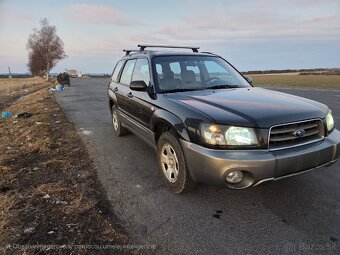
point(303, 203)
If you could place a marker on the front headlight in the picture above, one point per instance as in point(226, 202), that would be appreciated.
point(329, 121)
point(228, 135)
point(213, 134)
point(241, 136)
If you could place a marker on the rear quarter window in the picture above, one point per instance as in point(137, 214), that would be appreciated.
point(116, 70)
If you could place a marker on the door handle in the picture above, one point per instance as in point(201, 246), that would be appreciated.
point(115, 89)
point(129, 95)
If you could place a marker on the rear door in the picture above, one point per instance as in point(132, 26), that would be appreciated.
point(113, 85)
point(123, 91)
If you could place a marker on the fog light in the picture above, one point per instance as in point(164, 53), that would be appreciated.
point(235, 177)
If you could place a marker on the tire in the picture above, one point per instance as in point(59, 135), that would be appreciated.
point(172, 164)
point(118, 128)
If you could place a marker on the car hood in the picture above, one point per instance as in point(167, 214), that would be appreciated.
point(251, 107)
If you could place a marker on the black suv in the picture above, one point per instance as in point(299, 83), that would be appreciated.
point(209, 124)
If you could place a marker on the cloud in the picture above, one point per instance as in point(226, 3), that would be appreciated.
point(229, 28)
point(307, 3)
point(99, 14)
point(12, 14)
point(253, 25)
point(226, 20)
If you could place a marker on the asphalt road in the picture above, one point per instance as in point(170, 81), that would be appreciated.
point(295, 215)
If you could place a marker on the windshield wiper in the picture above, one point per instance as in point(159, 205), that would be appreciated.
point(203, 88)
point(223, 86)
point(179, 90)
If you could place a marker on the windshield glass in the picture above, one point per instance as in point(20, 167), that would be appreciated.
point(182, 73)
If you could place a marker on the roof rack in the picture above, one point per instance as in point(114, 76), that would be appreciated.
point(143, 46)
point(127, 52)
point(207, 52)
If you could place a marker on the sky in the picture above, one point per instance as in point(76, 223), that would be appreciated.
point(251, 34)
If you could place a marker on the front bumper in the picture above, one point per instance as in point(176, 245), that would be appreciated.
point(211, 166)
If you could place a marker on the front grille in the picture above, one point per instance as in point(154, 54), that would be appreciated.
point(295, 134)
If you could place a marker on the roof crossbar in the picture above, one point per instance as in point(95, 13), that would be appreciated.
point(143, 46)
point(127, 52)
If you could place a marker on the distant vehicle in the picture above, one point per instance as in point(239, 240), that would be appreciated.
point(73, 73)
point(208, 123)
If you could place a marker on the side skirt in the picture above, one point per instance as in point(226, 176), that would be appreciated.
point(138, 129)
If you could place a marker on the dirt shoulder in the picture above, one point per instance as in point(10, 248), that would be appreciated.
point(49, 191)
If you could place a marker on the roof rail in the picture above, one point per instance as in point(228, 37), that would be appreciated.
point(127, 52)
point(207, 52)
point(143, 46)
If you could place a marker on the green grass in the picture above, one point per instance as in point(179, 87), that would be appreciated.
point(295, 80)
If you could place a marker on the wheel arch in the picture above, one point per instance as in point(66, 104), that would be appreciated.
point(163, 121)
point(111, 104)
point(112, 99)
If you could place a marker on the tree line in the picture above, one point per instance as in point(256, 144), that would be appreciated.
point(302, 71)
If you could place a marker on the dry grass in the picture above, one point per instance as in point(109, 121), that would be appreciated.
point(10, 85)
point(295, 80)
point(12, 89)
point(7, 203)
point(48, 183)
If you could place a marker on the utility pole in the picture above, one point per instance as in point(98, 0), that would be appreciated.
point(9, 73)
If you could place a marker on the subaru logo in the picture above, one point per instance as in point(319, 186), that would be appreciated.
point(299, 132)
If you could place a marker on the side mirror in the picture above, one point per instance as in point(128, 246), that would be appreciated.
point(248, 78)
point(138, 85)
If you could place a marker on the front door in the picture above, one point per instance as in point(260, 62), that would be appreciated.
point(141, 101)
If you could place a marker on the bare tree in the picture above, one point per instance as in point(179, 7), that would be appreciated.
point(36, 64)
point(45, 49)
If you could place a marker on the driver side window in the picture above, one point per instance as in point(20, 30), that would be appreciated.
point(141, 71)
point(127, 72)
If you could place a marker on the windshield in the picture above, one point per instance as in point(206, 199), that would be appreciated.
point(182, 73)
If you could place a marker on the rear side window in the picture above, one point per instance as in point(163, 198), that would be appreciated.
point(127, 72)
point(116, 71)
